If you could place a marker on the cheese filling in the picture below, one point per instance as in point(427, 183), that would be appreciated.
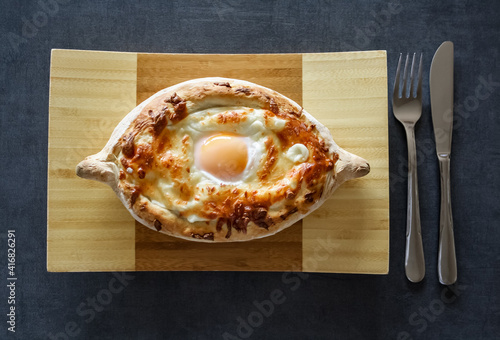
point(176, 170)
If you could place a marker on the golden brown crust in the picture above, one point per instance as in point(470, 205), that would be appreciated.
point(235, 215)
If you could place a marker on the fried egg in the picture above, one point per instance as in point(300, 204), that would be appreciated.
point(226, 157)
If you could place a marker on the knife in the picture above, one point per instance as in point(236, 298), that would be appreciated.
point(441, 88)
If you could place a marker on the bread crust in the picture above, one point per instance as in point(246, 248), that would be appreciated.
point(176, 103)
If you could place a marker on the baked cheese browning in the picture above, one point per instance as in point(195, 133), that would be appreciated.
point(128, 147)
point(157, 224)
point(223, 205)
point(145, 160)
point(296, 131)
point(159, 120)
point(270, 160)
point(239, 211)
point(157, 142)
point(232, 117)
point(224, 83)
point(134, 195)
point(244, 90)
point(204, 236)
point(179, 108)
point(162, 144)
point(236, 209)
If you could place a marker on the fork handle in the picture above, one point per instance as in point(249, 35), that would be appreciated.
point(414, 254)
point(447, 263)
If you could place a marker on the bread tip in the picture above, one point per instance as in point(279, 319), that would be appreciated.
point(362, 169)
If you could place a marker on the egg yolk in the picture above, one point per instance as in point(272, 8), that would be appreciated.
point(224, 155)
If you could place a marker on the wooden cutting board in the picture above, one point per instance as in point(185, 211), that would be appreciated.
point(88, 229)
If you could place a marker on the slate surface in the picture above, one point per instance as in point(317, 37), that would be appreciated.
point(231, 305)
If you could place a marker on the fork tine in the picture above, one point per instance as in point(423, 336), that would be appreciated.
point(404, 93)
point(412, 73)
point(419, 84)
point(395, 93)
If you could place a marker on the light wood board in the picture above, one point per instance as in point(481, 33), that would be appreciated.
point(89, 229)
point(347, 92)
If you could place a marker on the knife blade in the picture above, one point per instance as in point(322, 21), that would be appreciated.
point(441, 89)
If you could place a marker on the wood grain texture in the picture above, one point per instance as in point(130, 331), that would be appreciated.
point(281, 252)
point(88, 229)
point(280, 72)
point(347, 92)
point(155, 251)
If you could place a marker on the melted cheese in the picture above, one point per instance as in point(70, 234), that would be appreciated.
point(298, 153)
point(174, 180)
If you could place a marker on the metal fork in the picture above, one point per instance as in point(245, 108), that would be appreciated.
point(407, 108)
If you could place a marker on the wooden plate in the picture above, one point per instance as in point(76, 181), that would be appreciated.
point(88, 229)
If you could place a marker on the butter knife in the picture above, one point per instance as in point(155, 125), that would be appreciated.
point(441, 88)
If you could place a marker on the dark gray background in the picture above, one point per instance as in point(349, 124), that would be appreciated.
point(207, 305)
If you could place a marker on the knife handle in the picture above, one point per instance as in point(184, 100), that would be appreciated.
point(447, 263)
point(414, 254)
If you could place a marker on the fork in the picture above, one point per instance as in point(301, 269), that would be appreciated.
point(407, 108)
